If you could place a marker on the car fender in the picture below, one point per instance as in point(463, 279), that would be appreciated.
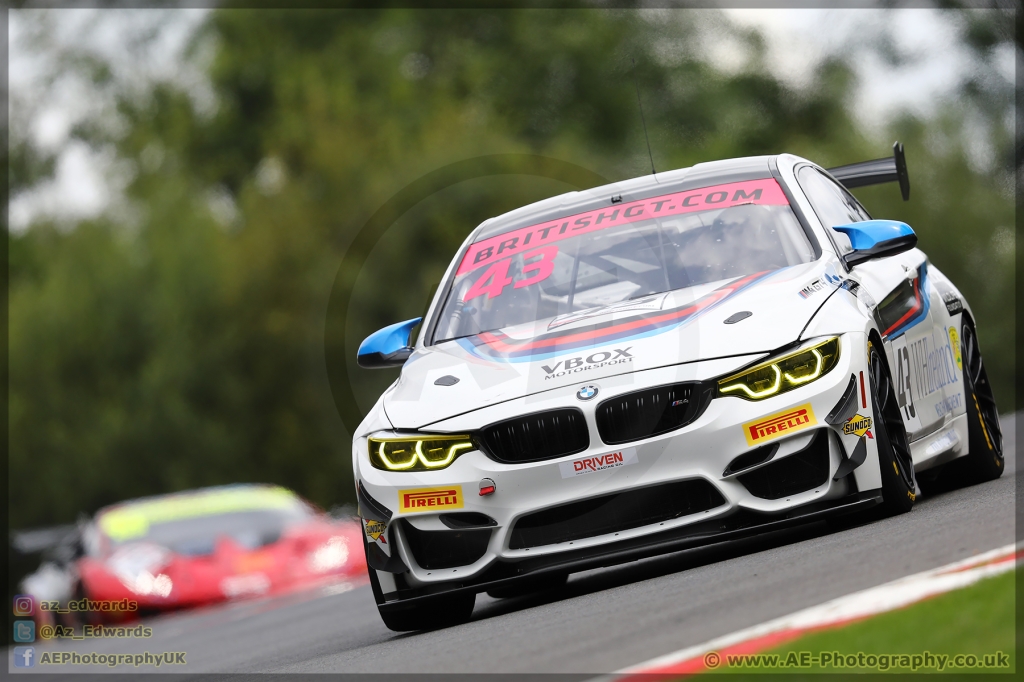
point(847, 309)
point(375, 420)
point(847, 313)
point(955, 302)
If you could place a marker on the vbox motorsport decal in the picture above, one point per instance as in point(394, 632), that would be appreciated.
point(497, 345)
point(582, 364)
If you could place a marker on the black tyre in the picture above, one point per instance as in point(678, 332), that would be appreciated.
point(440, 612)
point(894, 460)
point(543, 583)
point(984, 462)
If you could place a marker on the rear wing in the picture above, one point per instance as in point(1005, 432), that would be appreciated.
point(892, 169)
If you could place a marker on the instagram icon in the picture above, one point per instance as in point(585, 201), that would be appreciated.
point(24, 605)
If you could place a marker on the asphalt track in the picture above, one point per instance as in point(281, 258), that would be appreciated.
point(603, 620)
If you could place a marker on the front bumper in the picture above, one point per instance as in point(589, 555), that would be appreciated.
point(737, 527)
point(700, 452)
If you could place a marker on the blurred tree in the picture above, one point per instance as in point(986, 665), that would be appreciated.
point(180, 343)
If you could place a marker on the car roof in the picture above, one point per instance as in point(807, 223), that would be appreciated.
point(196, 493)
point(571, 203)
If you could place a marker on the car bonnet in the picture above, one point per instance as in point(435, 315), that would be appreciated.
point(737, 318)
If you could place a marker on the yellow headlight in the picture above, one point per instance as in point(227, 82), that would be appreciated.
point(782, 374)
point(417, 453)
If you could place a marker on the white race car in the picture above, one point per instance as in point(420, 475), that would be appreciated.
point(675, 360)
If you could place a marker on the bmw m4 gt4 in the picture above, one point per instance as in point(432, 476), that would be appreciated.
point(679, 359)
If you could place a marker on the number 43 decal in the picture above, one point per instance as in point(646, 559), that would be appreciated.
point(495, 278)
point(904, 396)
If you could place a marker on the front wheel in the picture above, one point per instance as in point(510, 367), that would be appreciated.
point(894, 460)
point(441, 611)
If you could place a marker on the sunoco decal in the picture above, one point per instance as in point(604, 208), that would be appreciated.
point(779, 424)
point(375, 531)
point(858, 425)
point(430, 499)
point(595, 463)
point(497, 345)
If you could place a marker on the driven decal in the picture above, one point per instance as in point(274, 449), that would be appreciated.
point(779, 424)
point(375, 531)
point(430, 499)
point(488, 251)
point(907, 305)
point(499, 346)
point(858, 425)
point(595, 463)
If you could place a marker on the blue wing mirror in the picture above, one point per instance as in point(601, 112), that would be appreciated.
point(877, 239)
point(387, 347)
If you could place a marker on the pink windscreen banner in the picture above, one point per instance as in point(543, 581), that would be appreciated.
point(765, 192)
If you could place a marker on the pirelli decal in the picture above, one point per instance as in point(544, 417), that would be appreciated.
point(779, 424)
point(430, 499)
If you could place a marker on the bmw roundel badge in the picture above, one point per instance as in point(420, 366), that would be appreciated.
point(587, 392)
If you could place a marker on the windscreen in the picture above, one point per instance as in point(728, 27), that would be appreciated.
point(626, 251)
point(192, 524)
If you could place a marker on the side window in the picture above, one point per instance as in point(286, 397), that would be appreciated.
point(832, 204)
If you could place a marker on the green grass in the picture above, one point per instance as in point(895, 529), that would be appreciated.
point(976, 620)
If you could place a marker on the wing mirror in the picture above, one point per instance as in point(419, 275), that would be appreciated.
point(387, 347)
point(877, 239)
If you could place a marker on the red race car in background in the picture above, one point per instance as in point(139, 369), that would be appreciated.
point(194, 548)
